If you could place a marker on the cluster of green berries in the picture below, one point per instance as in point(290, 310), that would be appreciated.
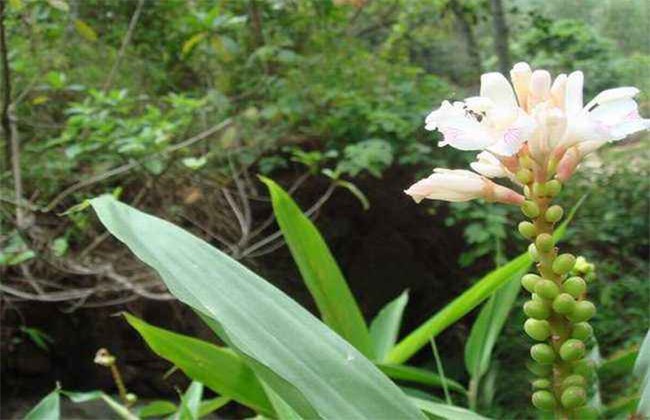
point(558, 310)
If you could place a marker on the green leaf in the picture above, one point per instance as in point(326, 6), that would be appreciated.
point(49, 408)
point(319, 270)
point(446, 411)
point(282, 409)
point(82, 397)
point(419, 375)
point(190, 43)
point(212, 405)
point(190, 402)
point(157, 408)
point(619, 363)
point(59, 4)
point(315, 371)
point(467, 301)
point(488, 325)
point(384, 329)
point(218, 368)
point(642, 370)
point(85, 30)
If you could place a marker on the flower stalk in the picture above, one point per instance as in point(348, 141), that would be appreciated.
point(535, 132)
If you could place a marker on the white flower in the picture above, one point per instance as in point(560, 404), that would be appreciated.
point(460, 185)
point(611, 116)
point(491, 121)
point(489, 165)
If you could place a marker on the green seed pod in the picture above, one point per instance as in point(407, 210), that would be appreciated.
point(528, 281)
point(537, 329)
point(524, 175)
point(532, 251)
point(542, 353)
point(564, 304)
point(547, 289)
point(563, 263)
point(544, 242)
point(572, 349)
point(582, 331)
point(575, 286)
point(554, 214)
point(583, 311)
point(539, 189)
point(526, 162)
point(589, 277)
point(544, 400)
point(539, 370)
point(583, 266)
point(541, 384)
point(574, 380)
point(574, 396)
point(530, 209)
point(527, 230)
point(553, 187)
point(537, 309)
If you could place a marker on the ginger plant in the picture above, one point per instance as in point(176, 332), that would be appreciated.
point(535, 132)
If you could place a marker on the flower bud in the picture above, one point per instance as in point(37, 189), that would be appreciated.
point(538, 330)
point(539, 189)
point(530, 209)
point(582, 331)
point(575, 286)
point(544, 400)
point(553, 187)
point(547, 289)
point(573, 396)
point(544, 242)
point(564, 304)
point(542, 353)
point(583, 311)
point(532, 251)
point(563, 264)
point(537, 309)
point(527, 230)
point(541, 384)
point(539, 370)
point(528, 281)
point(572, 349)
point(524, 175)
point(574, 380)
point(583, 266)
point(554, 214)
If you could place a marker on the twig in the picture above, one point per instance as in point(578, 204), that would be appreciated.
point(15, 166)
point(125, 43)
point(6, 83)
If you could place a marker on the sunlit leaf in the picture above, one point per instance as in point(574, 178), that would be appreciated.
point(158, 408)
point(446, 411)
point(59, 4)
point(420, 376)
point(190, 43)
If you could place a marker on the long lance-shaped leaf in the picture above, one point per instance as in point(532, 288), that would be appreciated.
point(467, 301)
point(330, 378)
point(446, 411)
point(218, 368)
point(384, 329)
point(319, 270)
point(420, 376)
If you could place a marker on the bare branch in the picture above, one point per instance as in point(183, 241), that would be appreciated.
point(125, 43)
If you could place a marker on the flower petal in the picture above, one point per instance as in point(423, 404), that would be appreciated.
point(573, 96)
point(497, 88)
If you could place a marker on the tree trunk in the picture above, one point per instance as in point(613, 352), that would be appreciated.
point(500, 28)
point(467, 33)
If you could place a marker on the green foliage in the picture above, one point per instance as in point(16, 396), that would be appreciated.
point(276, 336)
